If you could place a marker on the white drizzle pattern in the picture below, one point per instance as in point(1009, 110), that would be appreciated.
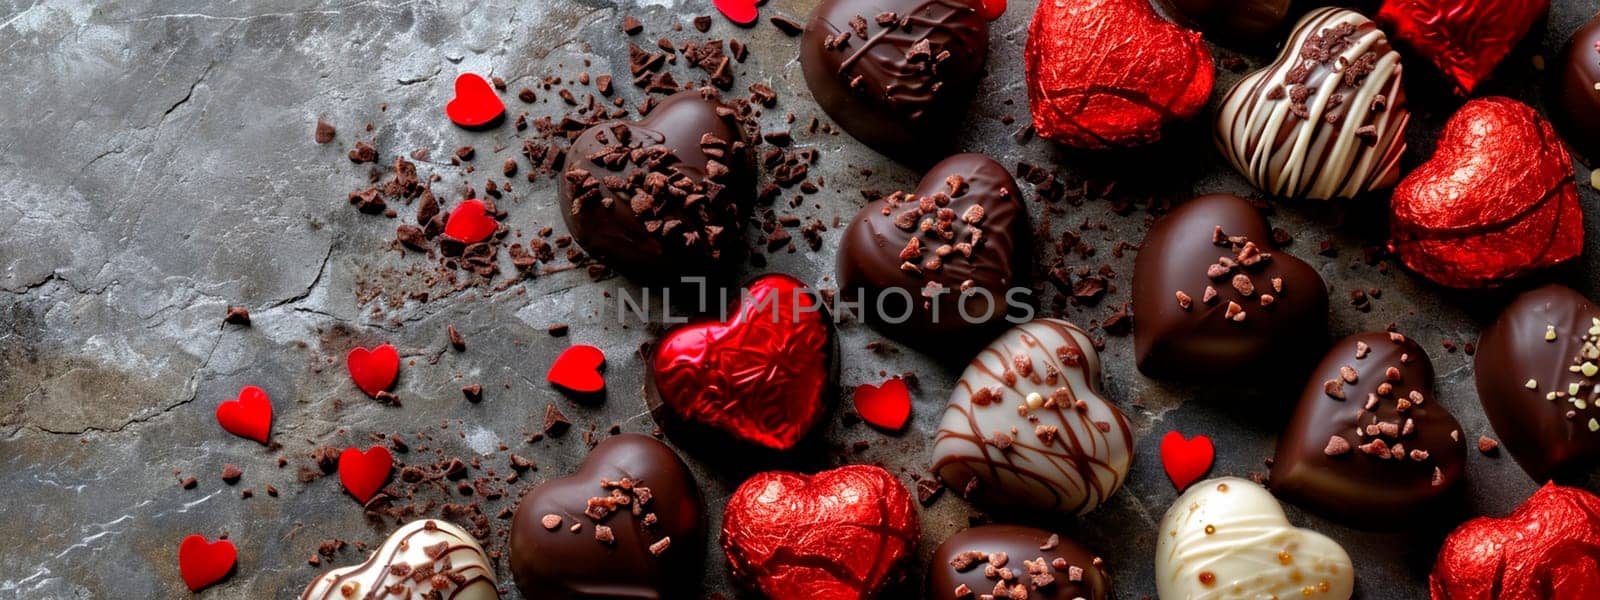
point(1249, 551)
point(1325, 152)
point(1092, 447)
point(462, 561)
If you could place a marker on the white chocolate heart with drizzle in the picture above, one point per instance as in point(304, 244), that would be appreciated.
point(425, 556)
point(1228, 538)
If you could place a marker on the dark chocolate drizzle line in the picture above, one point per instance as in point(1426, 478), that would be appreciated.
point(1081, 461)
point(905, 86)
point(379, 589)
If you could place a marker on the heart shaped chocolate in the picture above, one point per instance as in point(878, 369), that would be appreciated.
point(665, 196)
point(896, 74)
point(1215, 301)
point(1546, 549)
point(1045, 565)
point(1325, 120)
point(426, 558)
point(1575, 99)
point(841, 534)
point(1464, 38)
point(761, 376)
point(1029, 427)
point(1228, 538)
point(1112, 73)
point(936, 267)
point(1538, 374)
point(629, 523)
point(1369, 445)
point(1497, 200)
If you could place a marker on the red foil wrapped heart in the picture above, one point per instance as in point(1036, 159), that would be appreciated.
point(760, 376)
point(837, 535)
point(1547, 549)
point(1112, 73)
point(1465, 39)
point(1496, 201)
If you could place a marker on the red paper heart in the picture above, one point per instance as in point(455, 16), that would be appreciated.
point(1547, 549)
point(842, 533)
point(470, 222)
point(1497, 200)
point(1464, 38)
point(742, 12)
point(1186, 460)
point(578, 370)
point(373, 370)
point(1112, 73)
point(364, 473)
point(203, 562)
point(887, 406)
point(250, 416)
point(475, 105)
point(761, 376)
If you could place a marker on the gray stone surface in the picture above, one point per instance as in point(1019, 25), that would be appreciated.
point(156, 165)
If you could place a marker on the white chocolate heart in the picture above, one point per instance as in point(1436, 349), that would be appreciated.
point(1228, 538)
point(1027, 425)
point(425, 545)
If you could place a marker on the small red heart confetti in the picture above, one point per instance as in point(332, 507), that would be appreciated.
point(990, 9)
point(470, 222)
point(373, 370)
point(364, 473)
point(203, 562)
point(742, 12)
point(475, 105)
point(578, 370)
point(1186, 460)
point(248, 417)
point(886, 406)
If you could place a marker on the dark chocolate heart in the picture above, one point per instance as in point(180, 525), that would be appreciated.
point(1369, 444)
point(944, 256)
point(1262, 316)
point(639, 489)
point(896, 74)
point(665, 196)
point(975, 557)
point(1539, 339)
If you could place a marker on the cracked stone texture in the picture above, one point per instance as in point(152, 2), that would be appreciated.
point(157, 165)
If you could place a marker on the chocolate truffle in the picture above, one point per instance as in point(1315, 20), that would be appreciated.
point(1228, 538)
point(665, 196)
point(1046, 565)
point(1029, 427)
point(1369, 445)
point(1247, 21)
point(423, 559)
point(1215, 301)
point(1538, 368)
point(1325, 120)
point(896, 74)
point(936, 266)
point(629, 524)
point(1576, 105)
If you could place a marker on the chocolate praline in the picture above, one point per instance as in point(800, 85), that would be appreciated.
point(1542, 349)
point(1046, 565)
point(1184, 331)
point(935, 268)
point(665, 196)
point(1576, 107)
point(1244, 21)
point(1369, 444)
point(657, 539)
point(896, 74)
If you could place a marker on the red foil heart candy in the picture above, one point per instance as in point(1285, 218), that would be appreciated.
point(1547, 549)
point(760, 376)
point(1112, 73)
point(1496, 201)
point(1464, 38)
point(837, 535)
